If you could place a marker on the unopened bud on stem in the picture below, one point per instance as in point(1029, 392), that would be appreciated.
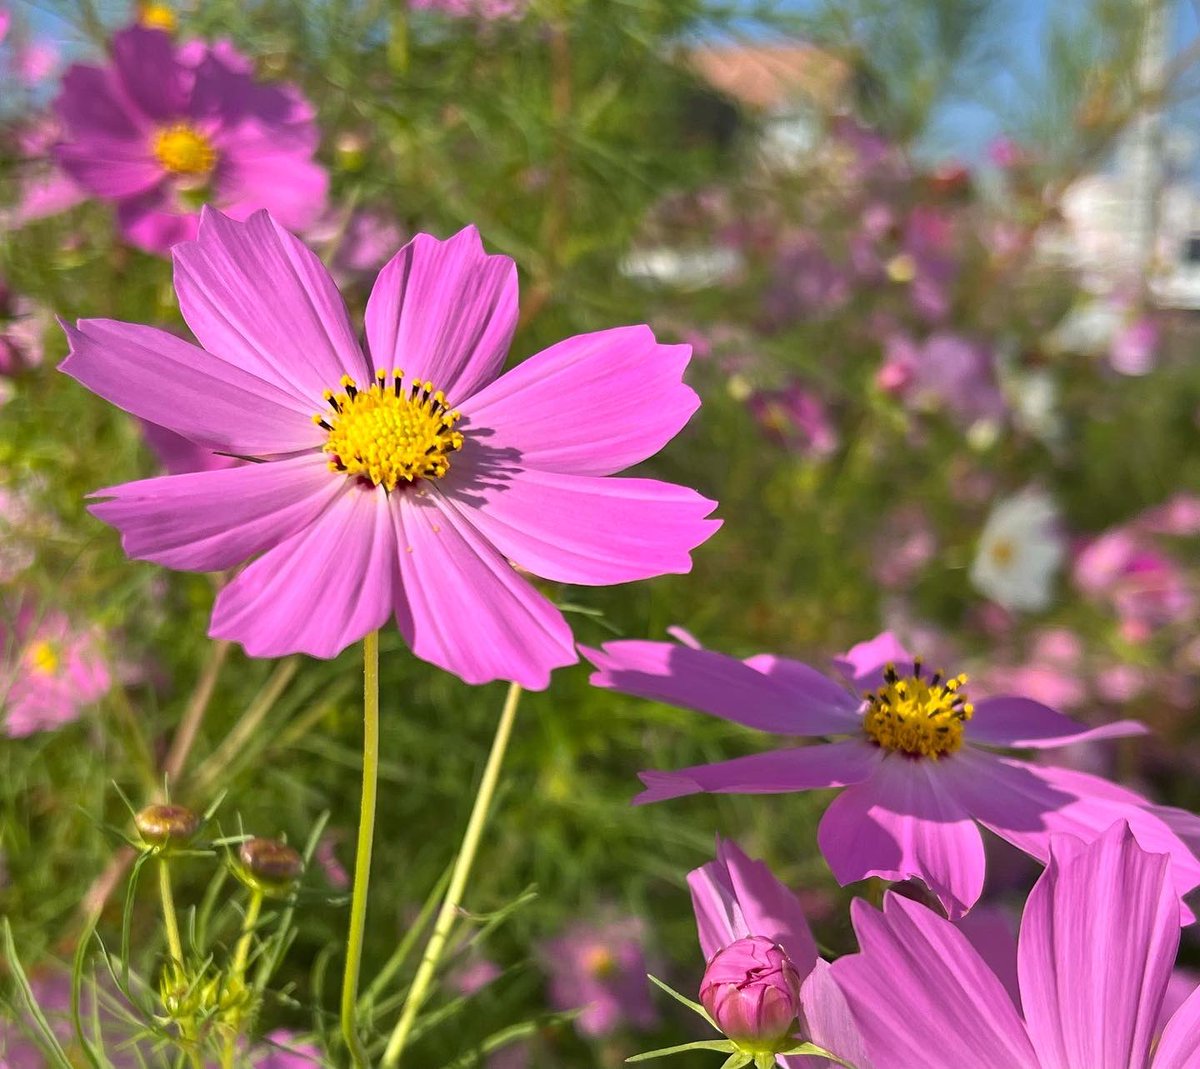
point(751, 990)
point(166, 825)
point(270, 865)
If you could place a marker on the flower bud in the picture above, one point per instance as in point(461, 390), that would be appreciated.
point(751, 990)
point(270, 865)
point(166, 825)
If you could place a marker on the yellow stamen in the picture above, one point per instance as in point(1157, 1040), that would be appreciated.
point(156, 16)
point(917, 716)
point(43, 658)
point(182, 149)
point(387, 434)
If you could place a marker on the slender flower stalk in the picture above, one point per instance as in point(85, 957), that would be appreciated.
point(436, 946)
point(237, 977)
point(174, 943)
point(362, 856)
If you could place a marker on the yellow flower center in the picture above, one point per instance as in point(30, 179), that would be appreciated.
point(43, 658)
point(902, 268)
point(918, 716)
point(155, 16)
point(182, 149)
point(599, 962)
point(1003, 552)
point(387, 434)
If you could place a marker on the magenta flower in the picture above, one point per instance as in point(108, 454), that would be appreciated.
point(1097, 945)
point(165, 128)
point(21, 329)
point(916, 756)
point(50, 671)
point(399, 483)
point(600, 969)
point(739, 901)
point(282, 1051)
point(796, 419)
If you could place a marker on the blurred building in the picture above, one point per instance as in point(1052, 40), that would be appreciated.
point(775, 97)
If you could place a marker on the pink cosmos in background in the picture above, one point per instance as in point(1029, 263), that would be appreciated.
point(165, 128)
point(736, 898)
point(945, 372)
point(1097, 947)
point(1134, 349)
point(601, 969)
point(49, 672)
point(22, 325)
point(796, 419)
point(400, 483)
point(487, 10)
point(917, 758)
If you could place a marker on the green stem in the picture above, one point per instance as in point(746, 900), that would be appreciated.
point(174, 943)
point(458, 883)
point(362, 859)
point(237, 974)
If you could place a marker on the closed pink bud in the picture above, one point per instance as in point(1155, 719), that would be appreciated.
point(751, 990)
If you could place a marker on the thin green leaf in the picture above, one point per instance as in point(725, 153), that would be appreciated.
point(722, 1045)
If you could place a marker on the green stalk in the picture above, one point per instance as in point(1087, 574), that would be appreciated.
point(436, 946)
point(174, 943)
point(362, 857)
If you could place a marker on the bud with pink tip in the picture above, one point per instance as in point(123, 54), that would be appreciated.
point(751, 990)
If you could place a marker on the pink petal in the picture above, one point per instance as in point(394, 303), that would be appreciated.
point(717, 684)
point(864, 663)
point(161, 378)
point(150, 73)
point(291, 186)
point(803, 678)
point(322, 589)
point(584, 530)
point(922, 997)
point(1025, 723)
point(257, 296)
point(463, 608)
point(207, 521)
point(445, 312)
point(1024, 804)
point(590, 405)
point(832, 764)
point(155, 223)
point(828, 1021)
point(992, 931)
point(903, 822)
point(1179, 1048)
point(1098, 942)
point(734, 897)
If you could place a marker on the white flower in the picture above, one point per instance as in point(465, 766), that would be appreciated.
point(1020, 550)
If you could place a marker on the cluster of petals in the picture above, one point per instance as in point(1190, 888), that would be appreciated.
point(736, 898)
point(900, 816)
point(261, 137)
point(600, 970)
point(1094, 966)
point(333, 556)
point(51, 670)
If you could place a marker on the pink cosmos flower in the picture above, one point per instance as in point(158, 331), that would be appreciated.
point(400, 482)
point(917, 758)
point(1179, 516)
point(735, 899)
point(21, 329)
point(49, 671)
point(1134, 349)
point(601, 969)
point(1097, 946)
point(165, 128)
point(796, 419)
point(487, 10)
point(281, 1050)
point(42, 188)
